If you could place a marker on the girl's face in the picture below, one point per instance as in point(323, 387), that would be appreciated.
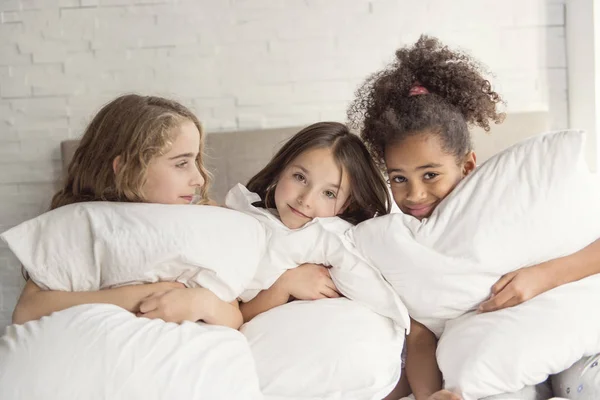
point(173, 178)
point(311, 186)
point(422, 174)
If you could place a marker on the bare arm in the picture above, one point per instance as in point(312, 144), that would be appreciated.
point(226, 314)
point(191, 304)
point(306, 282)
point(584, 263)
point(35, 303)
point(276, 295)
point(524, 284)
point(401, 390)
point(422, 370)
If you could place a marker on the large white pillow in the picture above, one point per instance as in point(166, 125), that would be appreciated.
point(325, 349)
point(533, 202)
point(503, 351)
point(320, 241)
point(98, 245)
point(104, 352)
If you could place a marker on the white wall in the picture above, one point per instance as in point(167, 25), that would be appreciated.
point(239, 64)
point(583, 49)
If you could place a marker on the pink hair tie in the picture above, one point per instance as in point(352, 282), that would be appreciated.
point(417, 89)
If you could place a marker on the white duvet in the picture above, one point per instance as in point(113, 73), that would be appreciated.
point(325, 350)
point(330, 349)
point(103, 352)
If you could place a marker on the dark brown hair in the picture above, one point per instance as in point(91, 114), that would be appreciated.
point(135, 128)
point(457, 95)
point(368, 189)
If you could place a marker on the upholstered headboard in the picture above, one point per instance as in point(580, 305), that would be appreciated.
point(235, 157)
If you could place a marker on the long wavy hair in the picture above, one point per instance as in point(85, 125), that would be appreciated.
point(135, 128)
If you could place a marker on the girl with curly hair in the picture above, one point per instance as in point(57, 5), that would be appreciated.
point(414, 117)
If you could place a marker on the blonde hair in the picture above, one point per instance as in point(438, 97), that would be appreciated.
point(136, 129)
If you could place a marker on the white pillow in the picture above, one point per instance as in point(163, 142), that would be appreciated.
point(98, 245)
point(325, 349)
point(533, 202)
point(320, 241)
point(503, 351)
point(98, 351)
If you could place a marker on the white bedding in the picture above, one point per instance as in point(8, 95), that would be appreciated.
point(325, 349)
point(98, 245)
point(103, 352)
point(329, 349)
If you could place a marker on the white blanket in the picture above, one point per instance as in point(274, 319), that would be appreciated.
point(325, 349)
point(102, 352)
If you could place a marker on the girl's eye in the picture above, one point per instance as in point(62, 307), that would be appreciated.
point(182, 164)
point(398, 179)
point(299, 177)
point(330, 194)
point(430, 175)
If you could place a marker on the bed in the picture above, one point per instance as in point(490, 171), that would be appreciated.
point(249, 365)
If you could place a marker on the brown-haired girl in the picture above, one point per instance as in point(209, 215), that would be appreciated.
point(322, 171)
point(414, 117)
point(137, 149)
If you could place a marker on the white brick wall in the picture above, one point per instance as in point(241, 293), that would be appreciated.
point(238, 64)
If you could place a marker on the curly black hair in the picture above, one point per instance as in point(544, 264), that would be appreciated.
point(457, 95)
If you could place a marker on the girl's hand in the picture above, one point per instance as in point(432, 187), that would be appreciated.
point(444, 395)
point(308, 282)
point(133, 295)
point(162, 287)
point(519, 286)
point(178, 305)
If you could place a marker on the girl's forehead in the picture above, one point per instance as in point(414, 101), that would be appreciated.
point(321, 164)
point(417, 150)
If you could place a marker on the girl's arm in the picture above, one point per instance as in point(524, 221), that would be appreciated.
point(525, 283)
point(274, 296)
point(226, 314)
point(424, 376)
point(305, 282)
point(35, 303)
point(401, 390)
point(193, 304)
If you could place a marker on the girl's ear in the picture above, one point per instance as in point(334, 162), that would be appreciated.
point(116, 164)
point(469, 163)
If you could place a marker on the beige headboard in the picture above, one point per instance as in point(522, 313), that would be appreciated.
point(235, 157)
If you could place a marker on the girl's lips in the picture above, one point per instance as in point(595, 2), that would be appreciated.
point(420, 211)
point(188, 198)
point(297, 212)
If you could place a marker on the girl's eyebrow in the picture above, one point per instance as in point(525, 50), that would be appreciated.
point(300, 167)
point(184, 155)
point(426, 166)
point(430, 165)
